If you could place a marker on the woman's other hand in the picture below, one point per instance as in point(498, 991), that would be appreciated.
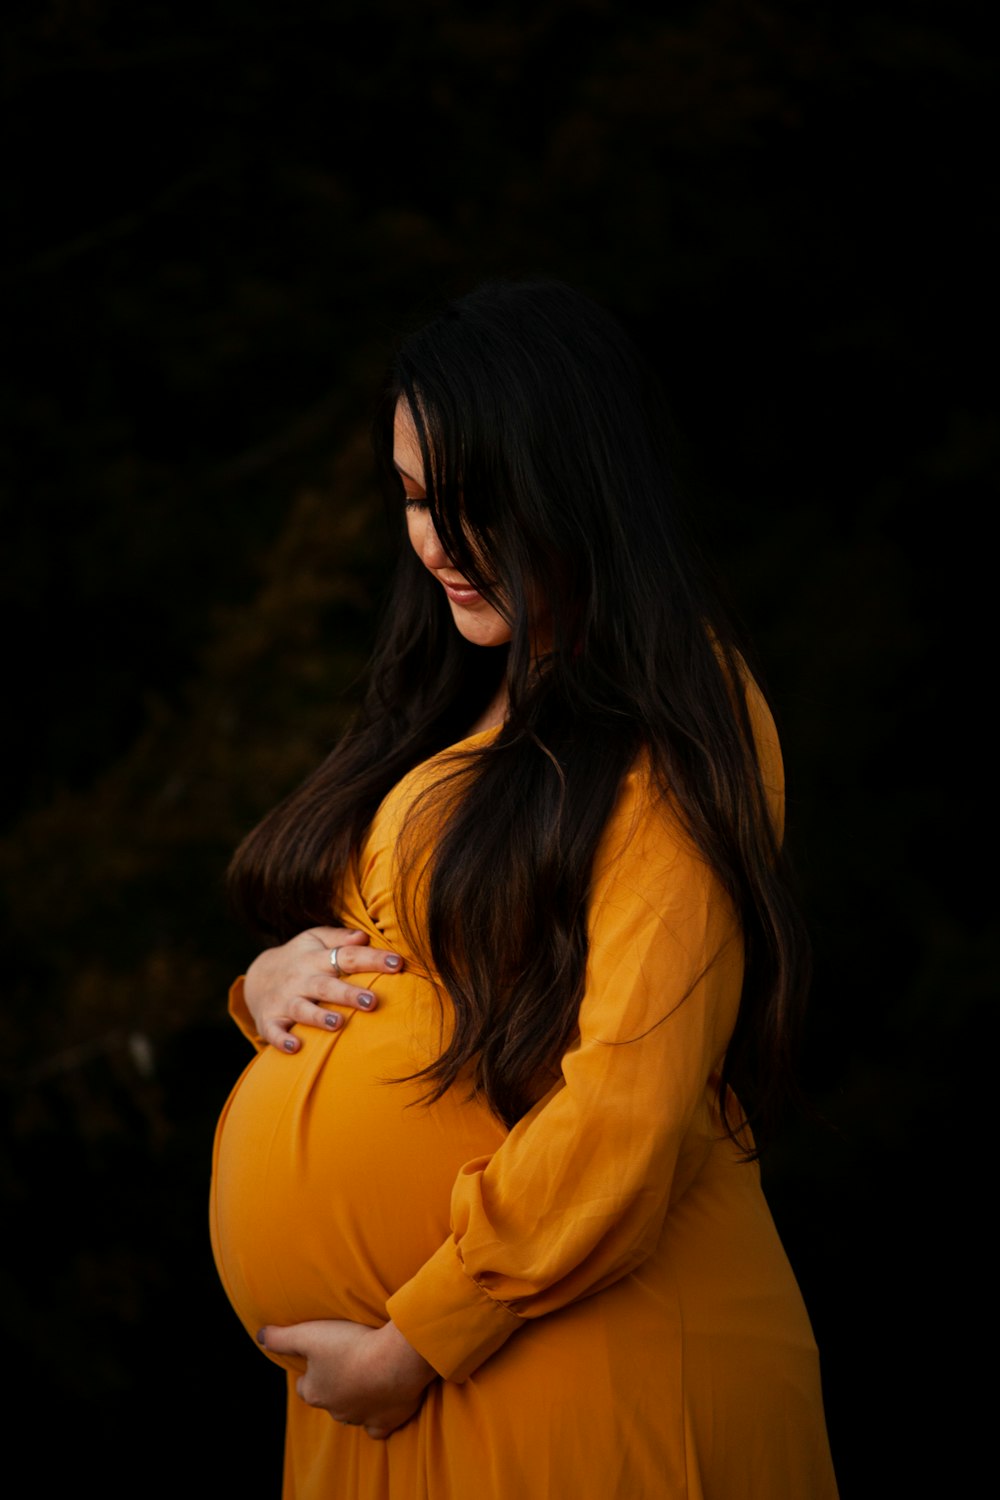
point(364, 1377)
point(283, 986)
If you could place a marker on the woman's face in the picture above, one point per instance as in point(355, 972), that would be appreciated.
point(475, 618)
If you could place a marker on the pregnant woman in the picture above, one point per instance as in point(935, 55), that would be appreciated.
point(493, 1202)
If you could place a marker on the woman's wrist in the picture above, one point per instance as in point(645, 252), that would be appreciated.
point(400, 1363)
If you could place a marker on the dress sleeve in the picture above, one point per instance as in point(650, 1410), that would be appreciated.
point(241, 1015)
point(576, 1196)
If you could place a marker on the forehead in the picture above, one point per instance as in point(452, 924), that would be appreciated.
point(405, 443)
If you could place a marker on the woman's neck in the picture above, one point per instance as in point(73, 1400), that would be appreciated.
point(494, 713)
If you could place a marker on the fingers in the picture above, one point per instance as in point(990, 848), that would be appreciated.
point(358, 999)
point(305, 1009)
point(278, 1034)
point(380, 1433)
point(354, 952)
point(282, 1340)
point(343, 1374)
point(337, 937)
point(365, 960)
point(293, 984)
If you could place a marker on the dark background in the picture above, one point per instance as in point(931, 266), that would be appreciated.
point(220, 216)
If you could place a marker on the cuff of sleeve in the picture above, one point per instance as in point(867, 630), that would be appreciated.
point(448, 1318)
point(242, 1017)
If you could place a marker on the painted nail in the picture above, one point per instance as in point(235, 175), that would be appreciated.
point(289, 1045)
point(392, 961)
point(260, 1335)
point(366, 1000)
point(332, 1020)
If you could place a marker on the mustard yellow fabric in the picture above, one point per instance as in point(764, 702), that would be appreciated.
point(602, 1288)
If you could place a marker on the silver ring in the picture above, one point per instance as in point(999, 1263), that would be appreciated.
point(333, 959)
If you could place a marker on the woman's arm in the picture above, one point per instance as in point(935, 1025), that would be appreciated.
point(284, 986)
point(576, 1196)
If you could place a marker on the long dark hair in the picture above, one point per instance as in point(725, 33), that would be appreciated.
point(548, 479)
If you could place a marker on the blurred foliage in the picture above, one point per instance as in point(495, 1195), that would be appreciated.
point(219, 216)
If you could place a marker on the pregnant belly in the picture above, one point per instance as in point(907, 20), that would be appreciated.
point(331, 1185)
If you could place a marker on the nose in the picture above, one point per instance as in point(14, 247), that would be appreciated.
point(431, 552)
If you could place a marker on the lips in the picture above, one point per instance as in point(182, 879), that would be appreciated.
point(460, 593)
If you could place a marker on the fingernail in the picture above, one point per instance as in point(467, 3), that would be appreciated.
point(332, 1020)
point(260, 1335)
point(356, 933)
point(290, 1045)
point(366, 1000)
point(392, 961)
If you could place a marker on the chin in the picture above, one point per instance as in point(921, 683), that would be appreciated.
point(481, 627)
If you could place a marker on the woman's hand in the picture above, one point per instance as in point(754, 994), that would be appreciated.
point(364, 1377)
point(283, 986)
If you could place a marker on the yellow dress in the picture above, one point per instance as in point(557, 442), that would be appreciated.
point(602, 1288)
